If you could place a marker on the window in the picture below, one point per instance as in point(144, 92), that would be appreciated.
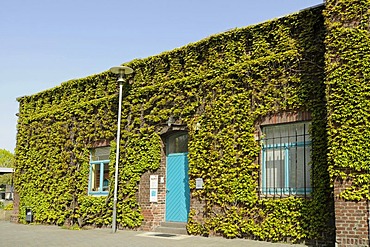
point(178, 143)
point(286, 156)
point(99, 171)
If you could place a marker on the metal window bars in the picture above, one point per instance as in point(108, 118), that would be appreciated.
point(285, 161)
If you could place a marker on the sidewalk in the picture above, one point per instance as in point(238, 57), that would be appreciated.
point(14, 235)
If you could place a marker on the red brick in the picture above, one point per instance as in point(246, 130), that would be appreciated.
point(351, 218)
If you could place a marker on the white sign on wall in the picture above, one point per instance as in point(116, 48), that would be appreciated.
point(153, 190)
point(199, 183)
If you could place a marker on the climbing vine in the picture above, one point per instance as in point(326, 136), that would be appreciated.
point(348, 94)
point(220, 87)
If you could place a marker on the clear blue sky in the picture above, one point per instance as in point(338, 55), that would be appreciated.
point(44, 42)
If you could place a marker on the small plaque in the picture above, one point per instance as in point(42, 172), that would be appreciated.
point(153, 181)
point(199, 183)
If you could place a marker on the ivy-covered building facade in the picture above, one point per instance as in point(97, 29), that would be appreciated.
point(258, 132)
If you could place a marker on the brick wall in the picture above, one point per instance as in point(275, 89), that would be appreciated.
point(351, 219)
point(15, 215)
point(285, 117)
point(153, 212)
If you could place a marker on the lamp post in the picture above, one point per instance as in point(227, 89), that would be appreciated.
point(121, 71)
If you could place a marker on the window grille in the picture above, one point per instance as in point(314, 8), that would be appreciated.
point(286, 160)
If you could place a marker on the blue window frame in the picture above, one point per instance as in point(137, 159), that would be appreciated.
point(286, 159)
point(99, 171)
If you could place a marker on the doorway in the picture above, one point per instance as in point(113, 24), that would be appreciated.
point(177, 178)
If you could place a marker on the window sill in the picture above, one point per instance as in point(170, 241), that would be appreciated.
point(98, 193)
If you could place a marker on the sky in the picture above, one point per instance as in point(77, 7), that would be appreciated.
point(44, 42)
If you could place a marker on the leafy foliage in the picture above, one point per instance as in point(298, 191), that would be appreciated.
point(220, 87)
point(6, 160)
point(348, 91)
point(8, 207)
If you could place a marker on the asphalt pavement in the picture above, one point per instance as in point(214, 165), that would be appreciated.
point(14, 235)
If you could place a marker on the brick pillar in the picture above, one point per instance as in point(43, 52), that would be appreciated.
point(15, 215)
point(351, 219)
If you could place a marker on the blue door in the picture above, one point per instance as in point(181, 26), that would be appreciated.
point(177, 180)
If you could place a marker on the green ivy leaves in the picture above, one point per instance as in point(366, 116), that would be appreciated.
point(348, 91)
point(220, 87)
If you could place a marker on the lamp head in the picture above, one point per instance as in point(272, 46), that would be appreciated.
point(121, 70)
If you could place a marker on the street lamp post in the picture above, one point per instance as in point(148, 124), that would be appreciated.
point(121, 71)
